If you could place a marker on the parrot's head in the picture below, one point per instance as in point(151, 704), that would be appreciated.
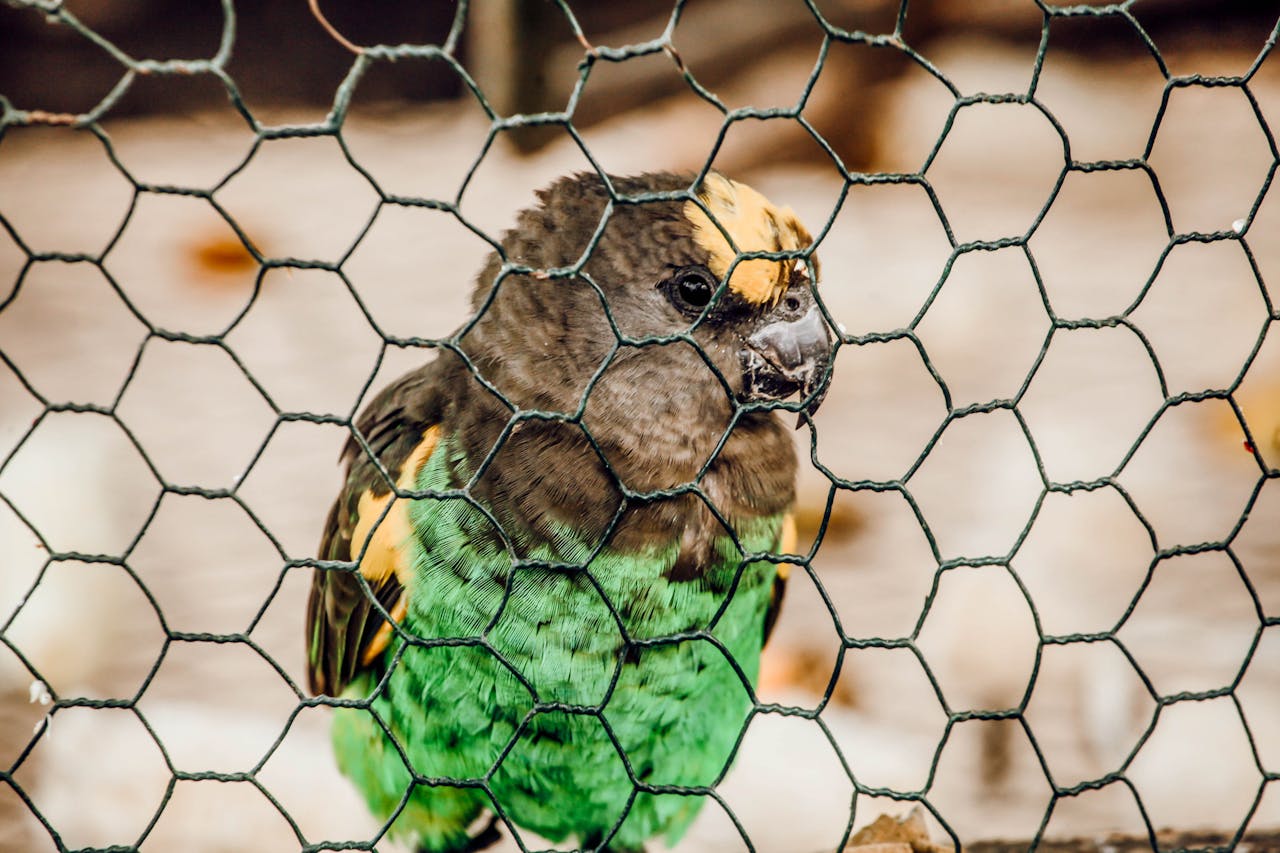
point(642, 308)
point(661, 270)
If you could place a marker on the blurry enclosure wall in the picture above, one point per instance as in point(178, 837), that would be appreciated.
point(523, 54)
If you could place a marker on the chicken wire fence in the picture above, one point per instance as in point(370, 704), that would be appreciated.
point(19, 115)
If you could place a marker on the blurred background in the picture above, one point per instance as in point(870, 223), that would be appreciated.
point(1054, 424)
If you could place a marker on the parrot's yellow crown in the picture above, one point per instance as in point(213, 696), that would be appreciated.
point(753, 224)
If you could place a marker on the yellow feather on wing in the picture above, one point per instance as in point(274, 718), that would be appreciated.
point(386, 545)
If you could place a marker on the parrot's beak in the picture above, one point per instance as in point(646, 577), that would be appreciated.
point(788, 354)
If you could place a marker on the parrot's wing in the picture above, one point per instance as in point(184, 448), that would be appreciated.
point(369, 525)
point(787, 541)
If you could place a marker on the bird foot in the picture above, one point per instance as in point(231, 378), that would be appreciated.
point(485, 838)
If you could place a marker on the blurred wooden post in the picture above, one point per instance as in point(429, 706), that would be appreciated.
point(508, 43)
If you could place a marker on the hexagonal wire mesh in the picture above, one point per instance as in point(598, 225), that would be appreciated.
point(946, 561)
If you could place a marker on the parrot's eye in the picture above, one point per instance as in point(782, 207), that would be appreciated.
point(691, 288)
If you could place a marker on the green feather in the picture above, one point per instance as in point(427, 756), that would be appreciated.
point(676, 708)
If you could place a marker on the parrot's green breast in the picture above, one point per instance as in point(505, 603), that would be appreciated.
point(534, 695)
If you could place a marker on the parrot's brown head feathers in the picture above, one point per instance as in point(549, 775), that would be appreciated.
point(627, 311)
point(653, 256)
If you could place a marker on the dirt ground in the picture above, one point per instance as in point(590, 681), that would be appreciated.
point(200, 568)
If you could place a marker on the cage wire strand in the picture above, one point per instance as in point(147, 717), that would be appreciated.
point(14, 115)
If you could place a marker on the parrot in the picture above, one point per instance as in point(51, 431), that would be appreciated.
point(543, 591)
